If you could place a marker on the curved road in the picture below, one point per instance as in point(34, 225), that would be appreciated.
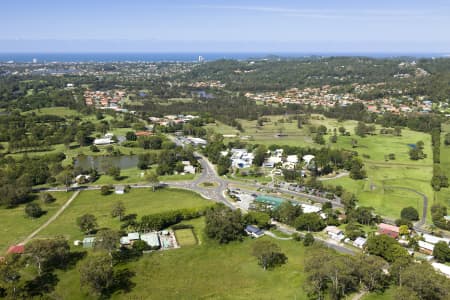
point(422, 221)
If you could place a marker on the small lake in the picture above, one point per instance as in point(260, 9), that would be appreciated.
point(101, 163)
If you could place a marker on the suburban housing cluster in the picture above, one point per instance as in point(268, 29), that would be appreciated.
point(325, 96)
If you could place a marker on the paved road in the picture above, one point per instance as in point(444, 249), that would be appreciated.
point(49, 221)
point(423, 220)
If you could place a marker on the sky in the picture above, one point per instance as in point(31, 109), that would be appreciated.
point(408, 26)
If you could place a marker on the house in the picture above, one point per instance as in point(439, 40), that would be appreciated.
point(444, 269)
point(81, 178)
point(390, 230)
point(189, 169)
point(334, 232)
point(127, 240)
point(143, 133)
point(152, 239)
point(360, 242)
point(426, 248)
point(308, 159)
point(432, 239)
point(103, 141)
point(268, 164)
point(310, 208)
point(254, 231)
point(16, 249)
point(292, 159)
point(197, 141)
point(119, 190)
point(88, 242)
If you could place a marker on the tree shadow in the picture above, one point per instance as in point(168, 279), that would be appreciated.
point(74, 258)
point(41, 285)
point(121, 282)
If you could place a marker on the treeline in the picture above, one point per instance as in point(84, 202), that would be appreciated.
point(338, 276)
point(159, 221)
point(17, 176)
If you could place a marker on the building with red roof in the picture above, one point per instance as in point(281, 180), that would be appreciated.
point(391, 230)
point(16, 249)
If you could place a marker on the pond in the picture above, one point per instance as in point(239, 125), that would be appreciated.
point(101, 163)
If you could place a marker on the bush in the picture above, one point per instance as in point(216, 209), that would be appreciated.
point(47, 198)
point(409, 213)
point(33, 210)
point(140, 245)
point(105, 190)
point(308, 240)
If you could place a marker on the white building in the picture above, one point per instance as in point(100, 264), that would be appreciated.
point(432, 239)
point(360, 242)
point(103, 141)
point(334, 232)
point(308, 158)
point(444, 269)
point(310, 208)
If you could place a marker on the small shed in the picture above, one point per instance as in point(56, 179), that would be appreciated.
point(88, 242)
point(119, 190)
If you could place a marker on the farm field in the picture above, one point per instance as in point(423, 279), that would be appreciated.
point(139, 201)
point(206, 271)
point(15, 225)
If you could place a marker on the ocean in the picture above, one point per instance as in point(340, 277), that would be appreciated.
point(180, 57)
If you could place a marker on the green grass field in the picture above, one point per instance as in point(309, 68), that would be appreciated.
point(207, 271)
point(139, 201)
point(185, 237)
point(443, 196)
point(57, 111)
point(382, 174)
point(15, 225)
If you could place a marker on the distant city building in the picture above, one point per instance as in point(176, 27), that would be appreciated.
point(34, 60)
point(201, 59)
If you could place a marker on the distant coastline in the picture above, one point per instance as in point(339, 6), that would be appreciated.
point(185, 57)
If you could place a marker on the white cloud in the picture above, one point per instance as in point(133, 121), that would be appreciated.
point(360, 14)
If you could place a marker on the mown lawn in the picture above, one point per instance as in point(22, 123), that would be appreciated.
point(15, 225)
point(185, 237)
point(139, 201)
point(207, 271)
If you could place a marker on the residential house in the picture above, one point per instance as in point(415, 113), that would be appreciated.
point(254, 231)
point(334, 232)
point(390, 230)
point(16, 249)
point(152, 239)
point(426, 248)
point(360, 242)
point(444, 269)
point(128, 239)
